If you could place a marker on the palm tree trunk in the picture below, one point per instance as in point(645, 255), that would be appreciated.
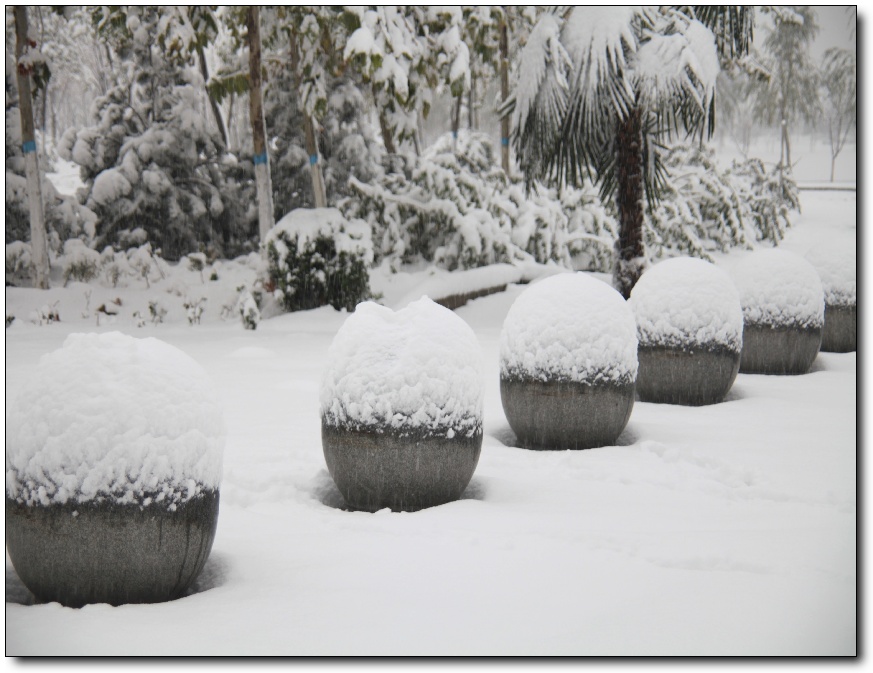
point(504, 92)
point(629, 259)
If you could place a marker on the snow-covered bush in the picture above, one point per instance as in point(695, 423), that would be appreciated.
point(454, 207)
point(704, 208)
point(110, 417)
point(64, 216)
point(80, 263)
point(318, 257)
point(18, 262)
point(151, 159)
point(766, 196)
point(116, 267)
point(249, 313)
point(700, 210)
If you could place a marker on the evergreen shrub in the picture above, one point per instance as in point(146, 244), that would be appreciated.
point(317, 257)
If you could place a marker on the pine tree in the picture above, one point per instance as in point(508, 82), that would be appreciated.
point(151, 161)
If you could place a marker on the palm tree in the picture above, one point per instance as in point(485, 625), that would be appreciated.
point(600, 88)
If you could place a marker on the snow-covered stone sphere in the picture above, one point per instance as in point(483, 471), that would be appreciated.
point(836, 266)
point(783, 312)
point(401, 406)
point(690, 330)
point(113, 466)
point(568, 363)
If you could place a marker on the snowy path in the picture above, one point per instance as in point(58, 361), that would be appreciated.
point(719, 530)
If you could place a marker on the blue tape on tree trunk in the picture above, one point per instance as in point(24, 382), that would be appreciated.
point(260, 158)
point(504, 141)
point(313, 159)
point(29, 146)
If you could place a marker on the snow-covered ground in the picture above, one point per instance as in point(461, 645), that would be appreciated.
point(720, 530)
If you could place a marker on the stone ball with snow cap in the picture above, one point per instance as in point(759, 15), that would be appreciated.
point(690, 328)
point(417, 370)
point(687, 302)
point(570, 326)
point(837, 268)
point(836, 265)
point(401, 407)
point(113, 463)
point(783, 312)
point(112, 417)
point(779, 289)
point(568, 363)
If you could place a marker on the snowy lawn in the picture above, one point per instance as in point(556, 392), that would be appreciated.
point(719, 530)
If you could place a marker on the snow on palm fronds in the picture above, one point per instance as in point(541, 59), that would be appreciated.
point(582, 72)
point(540, 99)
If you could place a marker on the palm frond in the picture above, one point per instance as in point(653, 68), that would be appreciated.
point(540, 99)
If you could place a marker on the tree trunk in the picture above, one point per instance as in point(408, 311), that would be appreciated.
point(318, 189)
point(38, 238)
point(387, 135)
point(504, 92)
point(216, 111)
point(471, 104)
point(319, 194)
point(456, 120)
point(630, 258)
point(259, 132)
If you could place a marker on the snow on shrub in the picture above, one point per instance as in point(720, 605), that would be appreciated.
point(417, 370)
point(766, 197)
point(779, 289)
point(318, 257)
point(64, 216)
point(687, 303)
point(18, 262)
point(249, 313)
point(836, 267)
point(699, 211)
point(80, 263)
point(116, 267)
point(108, 417)
point(704, 209)
point(455, 208)
point(569, 327)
